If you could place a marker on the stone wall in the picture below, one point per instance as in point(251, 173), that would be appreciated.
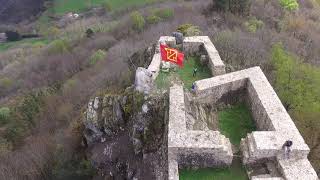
point(155, 64)
point(274, 124)
point(190, 46)
point(187, 148)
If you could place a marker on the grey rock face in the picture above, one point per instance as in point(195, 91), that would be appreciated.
point(103, 117)
point(112, 113)
point(92, 132)
point(143, 80)
point(133, 131)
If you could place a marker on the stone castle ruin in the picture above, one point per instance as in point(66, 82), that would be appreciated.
point(189, 148)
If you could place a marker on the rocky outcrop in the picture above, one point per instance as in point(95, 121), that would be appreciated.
point(127, 130)
point(143, 80)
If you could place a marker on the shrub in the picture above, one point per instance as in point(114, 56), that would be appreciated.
point(152, 19)
point(189, 30)
point(89, 33)
point(30, 107)
point(59, 47)
point(13, 36)
point(67, 166)
point(290, 5)
point(5, 146)
point(5, 82)
point(4, 115)
point(97, 56)
point(137, 20)
point(15, 130)
point(158, 14)
point(52, 32)
point(69, 84)
point(253, 24)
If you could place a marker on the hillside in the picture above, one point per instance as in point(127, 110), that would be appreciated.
point(47, 83)
point(14, 11)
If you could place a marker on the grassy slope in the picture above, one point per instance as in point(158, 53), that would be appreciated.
point(236, 122)
point(26, 42)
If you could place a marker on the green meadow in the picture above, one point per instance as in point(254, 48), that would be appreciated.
point(64, 6)
point(24, 42)
point(236, 122)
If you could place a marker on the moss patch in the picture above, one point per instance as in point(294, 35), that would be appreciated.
point(236, 122)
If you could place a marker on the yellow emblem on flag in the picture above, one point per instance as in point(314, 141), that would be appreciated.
point(172, 54)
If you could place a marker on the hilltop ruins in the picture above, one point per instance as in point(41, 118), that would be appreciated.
point(189, 148)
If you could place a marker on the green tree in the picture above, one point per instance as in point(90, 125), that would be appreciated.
point(253, 24)
point(290, 5)
point(97, 56)
point(298, 86)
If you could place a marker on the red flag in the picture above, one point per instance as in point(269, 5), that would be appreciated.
point(171, 55)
